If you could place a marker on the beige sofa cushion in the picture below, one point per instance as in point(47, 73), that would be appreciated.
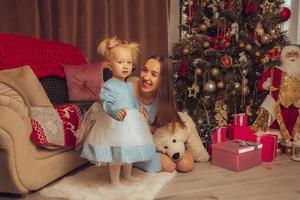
point(27, 80)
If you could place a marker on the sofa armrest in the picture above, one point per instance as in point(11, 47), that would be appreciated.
point(14, 145)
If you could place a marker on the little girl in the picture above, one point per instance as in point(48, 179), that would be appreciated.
point(120, 135)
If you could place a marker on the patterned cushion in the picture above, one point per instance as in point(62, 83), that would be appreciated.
point(55, 127)
point(56, 89)
point(84, 81)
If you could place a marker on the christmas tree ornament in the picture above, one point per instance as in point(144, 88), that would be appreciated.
point(267, 7)
point(186, 51)
point(245, 81)
point(246, 90)
point(265, 39)
point(248, 47)
point(221, 115)
point(203, 27)
point(210, 87)
point(243, 58)
point(250, 6)
point(244, 71)
point(204, 4)
point(220, 84)
point(215, 72)
point(226, 61)
point(206, 44)
point(273, 33)
point(183, 67)
point(285, 14)
point(257, 53)
point(216, 15)
point(241, 45)
point(198, 71)
point(193, 91)
point(237, 86)
point(259, 30)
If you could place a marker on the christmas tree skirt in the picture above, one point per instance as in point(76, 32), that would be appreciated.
point(93, 183)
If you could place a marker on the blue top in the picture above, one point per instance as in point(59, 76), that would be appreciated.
point(116, 94)
point(150, 108)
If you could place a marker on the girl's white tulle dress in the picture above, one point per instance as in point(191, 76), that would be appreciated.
point(108, 140)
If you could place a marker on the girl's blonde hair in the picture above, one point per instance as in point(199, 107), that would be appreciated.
point(106, 46)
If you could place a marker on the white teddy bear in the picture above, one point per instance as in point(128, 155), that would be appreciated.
point(175, 144)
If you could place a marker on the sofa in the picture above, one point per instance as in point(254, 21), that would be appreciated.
point(25, 166)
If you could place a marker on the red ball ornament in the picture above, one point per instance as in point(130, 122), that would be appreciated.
point(285, 14)
point(226, 61)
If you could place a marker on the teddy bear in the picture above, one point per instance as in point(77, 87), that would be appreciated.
point(174, 144)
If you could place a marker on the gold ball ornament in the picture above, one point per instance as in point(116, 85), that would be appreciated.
point(206, 44)
point(198, 71)
point(186, 51)
point(241, 45)
point(265, 39)
point(248, 47)
point(237, 86)
point(257, 53)
point(215, 72)
point(210, 87)
point(220, 85)
point(246, 90)
point(203, 27)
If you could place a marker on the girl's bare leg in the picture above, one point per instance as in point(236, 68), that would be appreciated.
point(127, 169)
point(114, 172)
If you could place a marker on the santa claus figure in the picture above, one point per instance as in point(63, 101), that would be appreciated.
point(280, 110)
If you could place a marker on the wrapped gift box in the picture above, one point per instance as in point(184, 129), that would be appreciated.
point(240, 133)
point(269, 143)
point(219, 135)
point(240, 119)
point(235, 155)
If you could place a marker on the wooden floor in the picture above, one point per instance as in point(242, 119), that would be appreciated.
point(277, 180)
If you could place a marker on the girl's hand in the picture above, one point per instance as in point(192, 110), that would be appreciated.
point(144, 113)
point(122, 114)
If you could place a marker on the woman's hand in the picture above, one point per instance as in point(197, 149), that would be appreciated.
point(122, 114)
point(272, 88)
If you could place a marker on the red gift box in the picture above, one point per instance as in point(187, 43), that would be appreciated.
point(240, 119)
point(269, 143)
point(241, 133)
point(219, 135)
point(234, 156)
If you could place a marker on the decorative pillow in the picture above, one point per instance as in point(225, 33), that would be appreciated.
point(84, 81)
point(55, 127)
point(29, 83)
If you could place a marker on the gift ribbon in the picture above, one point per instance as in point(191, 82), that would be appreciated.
point(219, 136)
point(247, 143)
point(241, 120)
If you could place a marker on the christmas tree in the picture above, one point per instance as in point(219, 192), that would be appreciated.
point(223, 49)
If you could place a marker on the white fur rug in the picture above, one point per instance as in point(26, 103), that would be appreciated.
point(93, 183)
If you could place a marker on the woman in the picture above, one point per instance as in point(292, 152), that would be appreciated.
point(155, 92)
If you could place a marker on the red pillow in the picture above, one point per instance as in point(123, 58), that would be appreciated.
point(84, 81)
point(55, 127)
